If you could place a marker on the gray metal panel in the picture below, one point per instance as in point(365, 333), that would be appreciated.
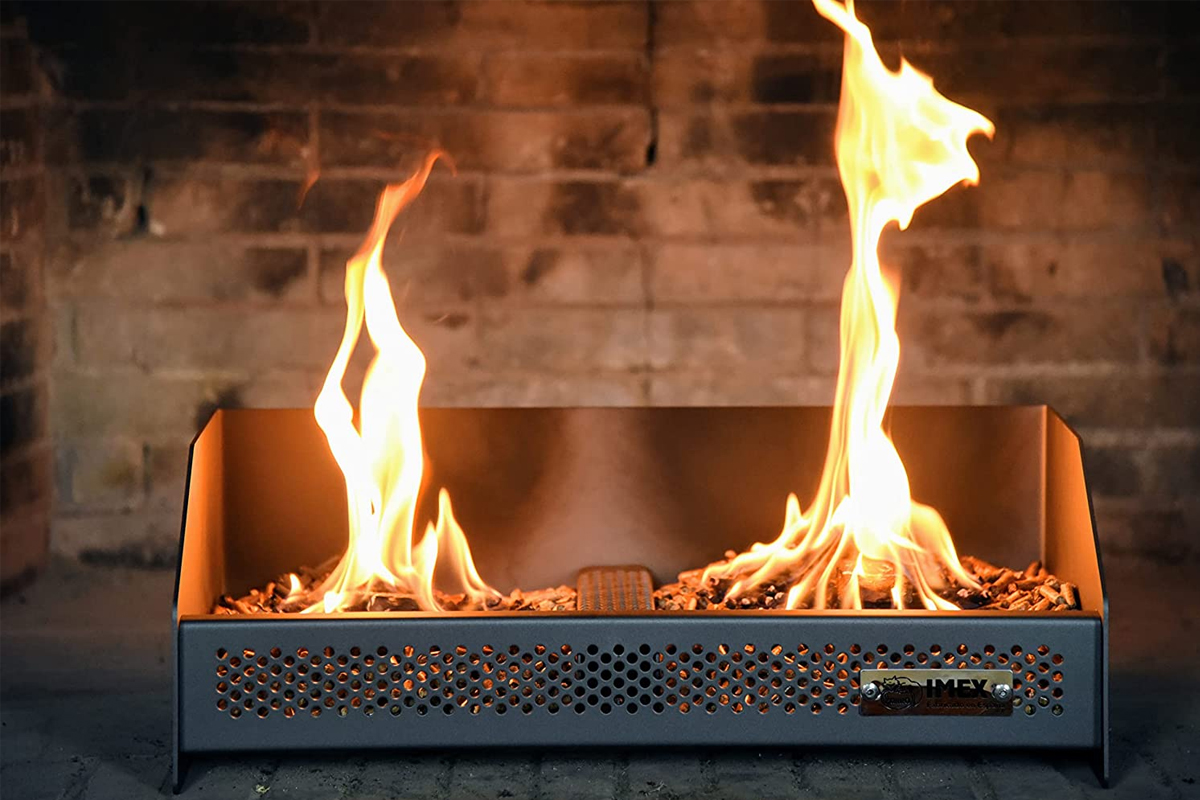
point(647, 646)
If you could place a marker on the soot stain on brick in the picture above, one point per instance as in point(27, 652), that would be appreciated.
point(698, 141)
point(1175, 278)
point(20, 419)
point(703, 92)
point(272, 272)
point(779, 200)
point(584, 207)
point(541, 263)
point(785, 138)
point(18, 351)
point(1000, 323)
point(793, 79)
point(228, 397)
point(137, 556)
point(592, 149)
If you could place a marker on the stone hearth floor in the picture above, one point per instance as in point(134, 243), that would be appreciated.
point(85, 712)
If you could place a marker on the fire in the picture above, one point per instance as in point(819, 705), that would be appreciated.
point(899, 145)
point(382, 458)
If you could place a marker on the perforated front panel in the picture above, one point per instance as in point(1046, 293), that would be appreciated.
point(555, 679)
point(596, 686)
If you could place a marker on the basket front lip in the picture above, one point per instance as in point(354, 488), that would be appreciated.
point(666, 616)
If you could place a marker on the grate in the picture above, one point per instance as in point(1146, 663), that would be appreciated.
point(554, 679)
point(615, 589)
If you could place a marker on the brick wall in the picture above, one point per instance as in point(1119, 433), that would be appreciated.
point(25, 334)
point(645, 211)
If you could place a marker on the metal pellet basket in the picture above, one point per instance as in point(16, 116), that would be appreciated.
point(544, 493)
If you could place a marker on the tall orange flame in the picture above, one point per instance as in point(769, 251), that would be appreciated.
point(382, 459)
point(899, 145)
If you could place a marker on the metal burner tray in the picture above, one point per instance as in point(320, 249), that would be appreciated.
point(545, 492)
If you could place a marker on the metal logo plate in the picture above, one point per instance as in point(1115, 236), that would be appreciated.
point(942, 692)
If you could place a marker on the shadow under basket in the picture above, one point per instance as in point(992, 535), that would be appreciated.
point(543, 493)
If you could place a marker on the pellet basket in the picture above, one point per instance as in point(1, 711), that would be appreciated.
point(543, 493)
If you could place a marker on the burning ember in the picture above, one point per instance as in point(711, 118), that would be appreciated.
point(863, 542)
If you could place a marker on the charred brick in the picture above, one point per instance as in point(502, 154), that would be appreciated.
point(22, 418)
point(16, 67)
point(583, 207)
point(1175, 278)
point(275, 270)
point(18, 351)
point(789, 78)
point(541, 262)
point(777, 138)
point(20, 144)
point(228, 397)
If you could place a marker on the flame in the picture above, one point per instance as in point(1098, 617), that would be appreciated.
point(899, 145)
point(382, 459)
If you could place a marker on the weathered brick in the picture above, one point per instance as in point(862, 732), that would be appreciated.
point(763, 272)
point(947, 20)
point(156, 134)
point(789, 209)
point(933, 268)
point(1123, 400)
point(612, 140)
point(16, 67)
point(142, 538)
point(23, 417)
point(446, 205)
point(20, 137)
point(1180, 69)
point(1176, 134)
point(23, 278)
point(437, 274)
point(579, 777)
point(272, 22)
point(576, 340)
point(458, 26)
point(488, 777)
point(698, 23)
point(571, 79)
point(772, 774)
point(1104, 333)
point(1088, 266)
point(300, 78)
point(687, 77)
point(103, 203)
point(1179, 203)
point(1165, 533)
point(26, 479)
point(734, 388)
point(1175, 336)
point(100, 475)
point(25, 350)
point(721, 139)
point(913, 388)
point(22, 209)
point(519, 208)
point(1028, 72)
point(1115, 471)
point(1174, 473)
point(525, 389)
point(245, 340)
point(166, 474)
point(200, 203)
point(97, 405)
point(1056, 201)
point(1104, 135)
point(711, 338)
point(156, 271)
